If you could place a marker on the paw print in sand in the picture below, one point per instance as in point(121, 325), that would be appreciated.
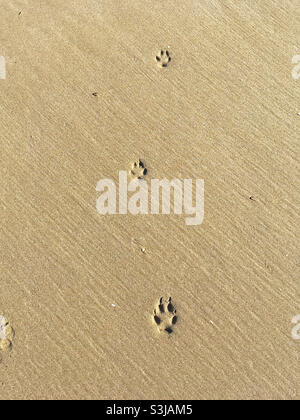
point(6, 335)
point(164, 316)
point(163, 58)
point(138, 170)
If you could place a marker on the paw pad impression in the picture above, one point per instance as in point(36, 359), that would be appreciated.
point(163, 58)
point(165, 316)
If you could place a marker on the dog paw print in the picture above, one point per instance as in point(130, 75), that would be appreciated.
point(138, 170)
point(6, 335)
point(165, 316)
point(163, 58)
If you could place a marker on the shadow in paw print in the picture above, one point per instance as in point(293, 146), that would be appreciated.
point(164, 316)
point(163, 58)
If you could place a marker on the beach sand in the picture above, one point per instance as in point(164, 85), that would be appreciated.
point(84, 98)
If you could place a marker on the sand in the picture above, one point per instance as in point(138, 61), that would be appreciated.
point(84, 98)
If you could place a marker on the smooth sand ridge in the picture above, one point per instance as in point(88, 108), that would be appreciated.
point(89, 91)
